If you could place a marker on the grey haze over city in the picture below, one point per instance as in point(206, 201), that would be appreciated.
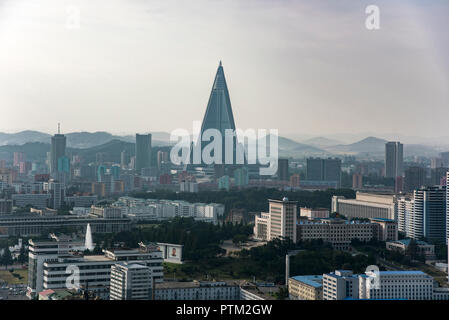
point(312, 66)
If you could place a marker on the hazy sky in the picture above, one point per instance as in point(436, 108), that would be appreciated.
point(304, 67)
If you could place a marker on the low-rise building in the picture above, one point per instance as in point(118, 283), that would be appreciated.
point(197, 290)
point(339, 232)
point(423, 248)
point(408, 285)
point(308, 287)
point(317, 213)
point(366, 205)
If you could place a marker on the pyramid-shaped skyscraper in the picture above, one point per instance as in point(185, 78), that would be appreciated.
point(219, 111)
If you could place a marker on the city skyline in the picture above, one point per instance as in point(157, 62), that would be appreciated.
point(287, 58)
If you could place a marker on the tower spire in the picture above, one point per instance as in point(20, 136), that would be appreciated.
point(59, 128)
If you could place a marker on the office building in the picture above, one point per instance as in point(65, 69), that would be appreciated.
point(283, 173)
point(197, 290)
point(340, 285)
point(394, 159)
point(279, 222)
point(143, 152)
point(124, 159)
point(33, 224)
point(130, 281)
point(31, 199)
point(393, 285)
point(305, 287)
point(321, 170)
point(57, 194)
point(423, 248)
point(415, 177)
point(339, 233)
point(80, 201)
point(437, 176)
point(241, 177)
point(445, 159)
point(106, 212)
point(447, 209)
point(18, 157)
point(357, 181)
point(295, 181)
point(424, 213)
point(162, 158)
point(366, 205)
point(49, 260)
point(316, 213)
point(5, 206)
point(58, 149)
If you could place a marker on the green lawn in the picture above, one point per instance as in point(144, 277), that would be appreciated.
point(9, 277)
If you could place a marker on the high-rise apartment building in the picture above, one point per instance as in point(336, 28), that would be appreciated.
point(58, 146)
point(394, 159)
point(279, 222)
point(447, 207)
point(131, 281)
point(57, 194)
point(424, 214)
point(415, 177)
point(18, 157)
point(283, 174)
point(143, 152)
point(324, 170)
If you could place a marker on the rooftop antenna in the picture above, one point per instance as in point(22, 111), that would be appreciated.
point(59, 128)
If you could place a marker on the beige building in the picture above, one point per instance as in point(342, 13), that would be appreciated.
point(339, 233)
point(366, 205)
point(279, 222)
point(305, 288)
point(428, 250)
point(314, 213)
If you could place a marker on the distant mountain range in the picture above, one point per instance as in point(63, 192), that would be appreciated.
point(35, 144)
point(79, 140)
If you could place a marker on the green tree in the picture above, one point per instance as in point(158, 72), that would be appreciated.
point(7, 258)
point(22, 255)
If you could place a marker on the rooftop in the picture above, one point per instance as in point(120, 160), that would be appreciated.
point(312, 280)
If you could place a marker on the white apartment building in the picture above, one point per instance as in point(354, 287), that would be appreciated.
point(366, 205)
point(130, 282)
point(151, 209)
point(279, 222)
point(423, 213)
point(339, 233)
point(340, 285)
point(197, 290)
point(408, 285)
point(382, 285)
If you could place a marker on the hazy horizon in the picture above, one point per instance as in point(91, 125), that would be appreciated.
point(305, 68)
